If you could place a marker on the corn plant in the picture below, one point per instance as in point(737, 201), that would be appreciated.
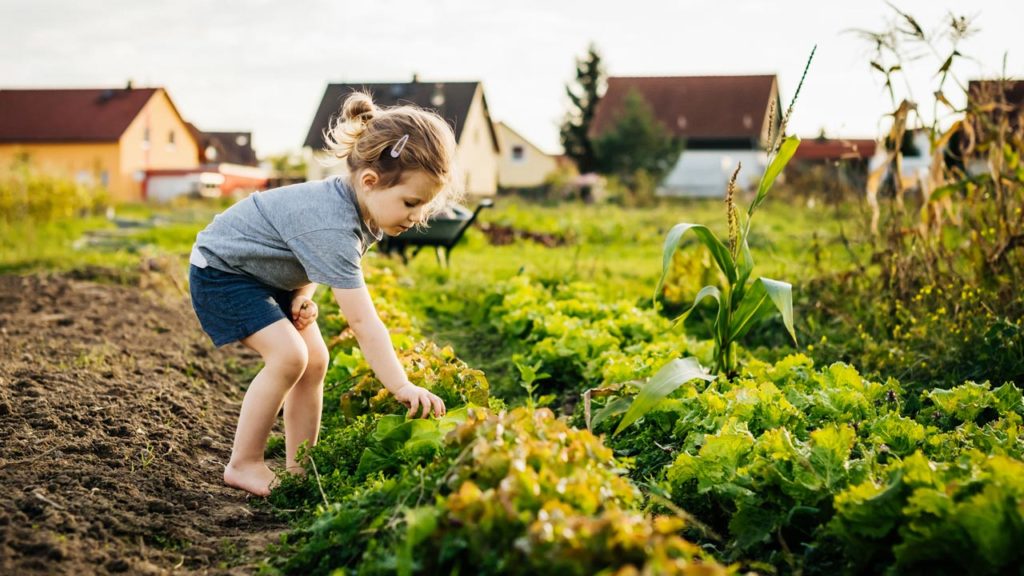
point(741, 301)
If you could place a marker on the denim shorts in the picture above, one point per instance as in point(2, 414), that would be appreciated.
point(232, 307)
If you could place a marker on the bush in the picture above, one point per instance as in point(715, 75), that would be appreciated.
point(27, 194)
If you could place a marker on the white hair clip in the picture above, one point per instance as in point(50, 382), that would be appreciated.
point(399, 146)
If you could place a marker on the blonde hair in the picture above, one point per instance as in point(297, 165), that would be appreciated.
point(367, 136)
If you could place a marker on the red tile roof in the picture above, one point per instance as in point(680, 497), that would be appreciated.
point(77, 115)
point(835, 149)
point(695, 107)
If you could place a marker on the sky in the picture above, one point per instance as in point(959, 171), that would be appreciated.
point(263, 65)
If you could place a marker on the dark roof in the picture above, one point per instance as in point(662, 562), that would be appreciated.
point(451, 100)
point(694, 107)
point(230, 147)
point(80, 115)
point(835, 149)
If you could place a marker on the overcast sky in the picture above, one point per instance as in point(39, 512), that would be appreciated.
point(263, 65)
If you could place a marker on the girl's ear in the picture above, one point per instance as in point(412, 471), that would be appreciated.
point(369, 179)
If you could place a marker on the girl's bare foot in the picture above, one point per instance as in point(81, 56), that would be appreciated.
point(296, 470)
point(252, 477)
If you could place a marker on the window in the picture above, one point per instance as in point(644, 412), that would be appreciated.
point(145, 138)
point(170, 141)
point(518, 153)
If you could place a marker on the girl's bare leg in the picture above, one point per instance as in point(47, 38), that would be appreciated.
point(304, 403)
point(284, 356)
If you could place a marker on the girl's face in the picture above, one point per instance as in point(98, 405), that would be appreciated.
point(400, 207)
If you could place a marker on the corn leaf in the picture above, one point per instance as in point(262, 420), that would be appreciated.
point(667, 380)
point(705, 292)
point(613, 408)
point(719, 251)
point(786, 151)
point(781, 294)
point(765, 296)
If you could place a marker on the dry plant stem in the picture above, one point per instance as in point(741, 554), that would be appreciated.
point(319, 485)
point(27, 460)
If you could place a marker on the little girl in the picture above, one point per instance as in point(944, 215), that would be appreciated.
point(255, 267)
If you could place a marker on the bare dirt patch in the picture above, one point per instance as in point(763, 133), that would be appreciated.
point(116, 416)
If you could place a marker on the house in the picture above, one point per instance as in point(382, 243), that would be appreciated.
point(522, 164)
point(103, 137)
point(462, 104)
point(915, 160)
point(831, 165)
point(722, 120)
point(231, 155)
point(228, 167)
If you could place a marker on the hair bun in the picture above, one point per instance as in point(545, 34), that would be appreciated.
point(358, 106)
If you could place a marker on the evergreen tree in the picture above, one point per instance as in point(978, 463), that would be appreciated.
point(637, 142)
point(584, 94)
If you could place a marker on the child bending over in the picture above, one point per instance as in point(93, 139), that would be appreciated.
point(255, 267)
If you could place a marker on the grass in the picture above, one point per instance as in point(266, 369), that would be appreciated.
point(98, 242)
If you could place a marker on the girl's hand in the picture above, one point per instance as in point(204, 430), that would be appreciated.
point(304, 312)
point(420, 399)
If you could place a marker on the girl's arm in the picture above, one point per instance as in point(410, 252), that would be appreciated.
point(375, 342)
point(306, 292)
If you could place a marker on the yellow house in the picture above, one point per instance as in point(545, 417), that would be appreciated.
point(462, 104)
point(106, 137)
point(522, 165)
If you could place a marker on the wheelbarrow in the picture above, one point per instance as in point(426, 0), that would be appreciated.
point(442, 231)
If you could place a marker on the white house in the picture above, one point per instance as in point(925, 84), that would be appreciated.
point(723, 121)
point(462, 104)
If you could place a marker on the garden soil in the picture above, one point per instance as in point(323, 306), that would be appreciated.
point(116, 417)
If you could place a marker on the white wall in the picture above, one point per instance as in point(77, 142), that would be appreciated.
point(706, 173)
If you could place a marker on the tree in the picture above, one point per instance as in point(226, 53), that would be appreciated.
point(584, 94)
point(287, 165)
point(637, 142)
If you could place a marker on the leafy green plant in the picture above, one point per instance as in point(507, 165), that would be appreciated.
point(530, 375)
point(577, 337)
point(511, 492)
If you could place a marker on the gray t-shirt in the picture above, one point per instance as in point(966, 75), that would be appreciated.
point(291, 236)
